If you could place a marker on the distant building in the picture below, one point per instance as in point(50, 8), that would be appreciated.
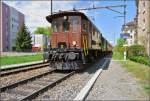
point(5, 35)
point(12, 21)
point(130, 33)
point(39, 42)
point(0, 27)
point(143, 22)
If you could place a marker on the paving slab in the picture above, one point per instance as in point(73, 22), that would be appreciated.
point(115, 83)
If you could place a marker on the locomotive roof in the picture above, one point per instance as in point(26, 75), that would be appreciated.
point(50, 18)
point(65, 13)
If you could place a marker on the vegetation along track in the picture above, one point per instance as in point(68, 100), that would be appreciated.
point(9, 71)
point(30, 88)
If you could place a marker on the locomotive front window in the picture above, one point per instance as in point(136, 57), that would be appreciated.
point(55, 27)
point(66, 26)
point(75, 23)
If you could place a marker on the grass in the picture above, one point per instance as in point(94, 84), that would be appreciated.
point(140, 71)
point(7, 60)
point(117, 56)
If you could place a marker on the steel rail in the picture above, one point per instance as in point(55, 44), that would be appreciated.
point(2, 89)
point(21, 69)
point(45, 88)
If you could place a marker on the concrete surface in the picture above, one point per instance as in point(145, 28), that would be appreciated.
point(115, 83)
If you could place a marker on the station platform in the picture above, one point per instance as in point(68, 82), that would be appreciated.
point(21, 64)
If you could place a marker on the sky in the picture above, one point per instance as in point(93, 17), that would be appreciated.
point(105, 20)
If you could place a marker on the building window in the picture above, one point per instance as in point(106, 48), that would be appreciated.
point(130, 41)
point(144, 20)
point(144, 4)
point(6, 10)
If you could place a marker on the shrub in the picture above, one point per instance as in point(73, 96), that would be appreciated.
point(136, 50)
point(140, 59)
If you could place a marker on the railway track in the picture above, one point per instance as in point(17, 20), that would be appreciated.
point(9, 71)
point(28, 89)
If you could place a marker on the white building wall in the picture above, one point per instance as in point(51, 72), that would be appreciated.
point(131, 39)
point(40, 40)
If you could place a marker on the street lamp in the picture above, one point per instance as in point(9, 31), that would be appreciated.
point(125, 52)
point(149, 48)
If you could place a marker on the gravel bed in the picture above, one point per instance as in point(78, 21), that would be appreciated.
point(9, 97)
point(116, 84)
point(31, 86)
point(20, 76)
point(68, 89)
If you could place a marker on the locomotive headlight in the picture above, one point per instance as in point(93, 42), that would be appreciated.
point(65, 17)
point(74, 43)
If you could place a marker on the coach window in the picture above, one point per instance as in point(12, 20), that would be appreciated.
point(93, 32)
point(66, 24)
point(90, 28)
point(84, 25)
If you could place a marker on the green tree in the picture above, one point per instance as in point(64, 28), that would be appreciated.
point(43, 30)
point(137, 3)
point(121, 42)
point(23, 41)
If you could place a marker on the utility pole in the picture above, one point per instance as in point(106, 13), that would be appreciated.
point(124, 12)
point(51, 24)
point(149, 37)
point(114, 38)
point(51, 7)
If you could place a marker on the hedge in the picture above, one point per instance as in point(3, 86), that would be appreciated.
point(136, 50)
point(140, 59)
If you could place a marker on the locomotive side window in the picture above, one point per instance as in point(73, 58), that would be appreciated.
point(66, 24)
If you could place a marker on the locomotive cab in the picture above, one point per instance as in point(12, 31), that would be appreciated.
point(75, 41)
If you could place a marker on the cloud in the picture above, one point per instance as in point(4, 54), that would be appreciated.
point(36, 11)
